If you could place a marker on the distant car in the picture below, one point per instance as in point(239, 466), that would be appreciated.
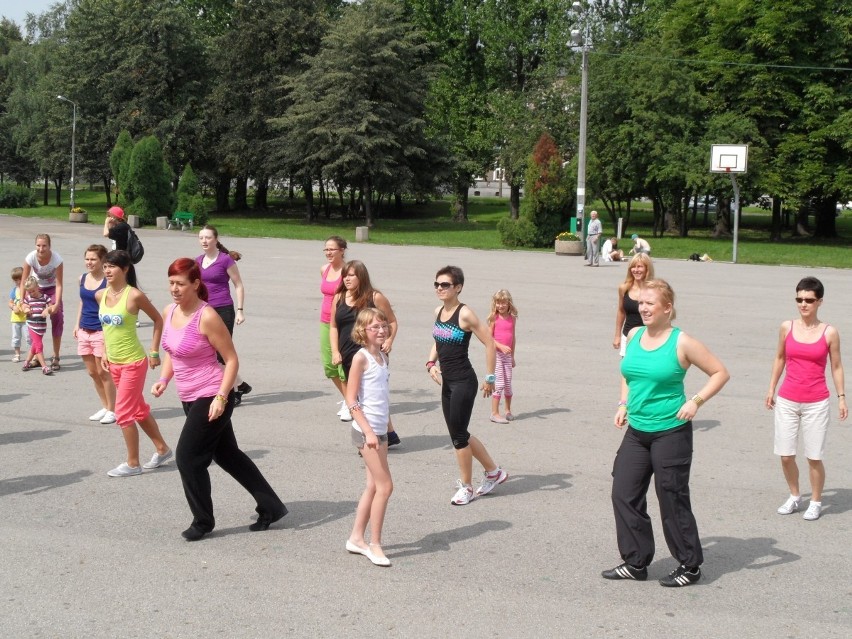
point(711, 203)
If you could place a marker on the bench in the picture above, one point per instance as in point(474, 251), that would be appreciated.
point(182, 220)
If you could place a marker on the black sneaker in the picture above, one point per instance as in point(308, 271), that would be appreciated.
point(681, 576)
point(626, 571)
point(393, 438)
point(244, 388)
point(238, 398)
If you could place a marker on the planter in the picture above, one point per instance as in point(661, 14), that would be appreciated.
point(78, 217)
point(571, 247)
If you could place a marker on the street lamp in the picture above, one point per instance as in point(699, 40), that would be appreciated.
point(582, 40)
point(73, 142)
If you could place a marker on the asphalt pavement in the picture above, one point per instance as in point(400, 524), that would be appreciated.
point(85, 555)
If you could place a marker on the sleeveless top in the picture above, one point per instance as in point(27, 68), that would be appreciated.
point(89, 314)
point(655, 384)
point(216, 279)
point(328, 289)
point(452, 343)
point(632, 319)
point(119, 326)
point(374, 394)
point(504, 330)
point(197, 371)
point(345, 317)
point(804, 381)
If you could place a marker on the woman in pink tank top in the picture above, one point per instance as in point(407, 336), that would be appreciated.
point(805, 345)
point(193, 333)
point(331, 274)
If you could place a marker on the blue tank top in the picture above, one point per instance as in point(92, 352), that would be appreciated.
point(89, 318)
point(452, 343)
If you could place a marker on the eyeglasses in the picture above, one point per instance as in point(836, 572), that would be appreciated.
point(443, 285)
point(806, 300)
point(377, 328)
point(330, 250)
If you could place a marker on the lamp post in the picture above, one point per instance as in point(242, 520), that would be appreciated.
point(73, 142)
point(581, 39)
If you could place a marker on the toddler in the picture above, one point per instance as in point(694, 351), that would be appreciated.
point(19, 318)
point(502, 322)
point(35, 306)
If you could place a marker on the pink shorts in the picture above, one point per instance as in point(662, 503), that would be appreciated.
point(90, 342)
point(130, 406)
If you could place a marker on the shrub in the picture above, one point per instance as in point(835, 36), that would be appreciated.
point(13, 196)
point(119, 164)
point(517, 233)
point(150, 180)
point(198, 207)
point(187, 189)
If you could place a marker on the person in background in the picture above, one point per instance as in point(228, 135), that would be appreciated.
point(331, 276)
point(639, 245)
point(658, 441)
point(46, 264)
point(116, 228)
point(194, 338)
point(90, 334)
point(610, 251)
point(593, 236)
point(218, 269)
point(502, 320)
point(18, 318)
point(805, 345)
point(639, 270)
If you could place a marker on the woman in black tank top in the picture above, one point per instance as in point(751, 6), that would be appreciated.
point(454, 325)
point(640, 269)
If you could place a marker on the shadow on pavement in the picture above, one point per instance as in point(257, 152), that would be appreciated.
point(441, 541)
point(544, 412)
point(724, 555)
point(26, 436)
point(34, 484)
point(521, 484)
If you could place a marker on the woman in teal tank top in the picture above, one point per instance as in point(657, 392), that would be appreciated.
point(658, 440)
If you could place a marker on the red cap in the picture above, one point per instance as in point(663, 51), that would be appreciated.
point(116, 211)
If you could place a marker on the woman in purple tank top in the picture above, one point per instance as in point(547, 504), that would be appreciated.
point(803, 402)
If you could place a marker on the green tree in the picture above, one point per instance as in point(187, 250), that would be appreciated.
point(149, 179)
point(119, 162)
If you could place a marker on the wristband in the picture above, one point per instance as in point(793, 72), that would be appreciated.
point(163, 380)
point(240, 308)
point(698, 400)
point(430, 365)
point(221, 398)
point(490, 379)
point(154, 354)
point(622, 404)
point(842, 395)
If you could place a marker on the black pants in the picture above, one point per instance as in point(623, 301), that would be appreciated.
point(457, 399)
point(668, 456)
point(202, 442)
point(229, 316)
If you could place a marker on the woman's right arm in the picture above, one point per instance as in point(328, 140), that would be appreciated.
point(777, 366)
point(333, 335)
point(620, 316)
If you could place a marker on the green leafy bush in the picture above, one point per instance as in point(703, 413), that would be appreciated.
point(187, 189)
point(13, 196)
point(149, 179)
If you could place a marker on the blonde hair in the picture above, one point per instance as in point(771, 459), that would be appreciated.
point(31, 284)
point(501, 296)
point(365, 317)
point(639, 258)
point(665, 292)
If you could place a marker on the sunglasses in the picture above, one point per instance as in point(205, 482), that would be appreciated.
point(806, 300)
point(443, 285)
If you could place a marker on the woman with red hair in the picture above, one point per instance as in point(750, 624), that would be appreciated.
point(192, 336)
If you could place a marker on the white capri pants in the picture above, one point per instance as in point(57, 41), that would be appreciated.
point(811, 419)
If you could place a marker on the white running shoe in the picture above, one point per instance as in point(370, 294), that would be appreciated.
point(464, 495)
point(343, 413)
point(813, 512)
point(490, 480)
point(790, 506)
point(99, 415)
point(123, 470)
point(158, 460)
point(108, 418)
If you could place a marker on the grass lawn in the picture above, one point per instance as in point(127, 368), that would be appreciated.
point(430, 225)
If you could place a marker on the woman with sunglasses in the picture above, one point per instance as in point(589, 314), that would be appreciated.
point(331, 276)
point(354, 294)
point(449, 366)
point(803, 402)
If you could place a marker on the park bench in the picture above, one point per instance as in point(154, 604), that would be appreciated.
point(182, 220)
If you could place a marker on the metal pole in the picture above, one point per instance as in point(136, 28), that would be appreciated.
point(73, 150)
point(736, 214)
point(581, 149)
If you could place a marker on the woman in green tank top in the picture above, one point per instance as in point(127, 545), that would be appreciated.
point(658, 440)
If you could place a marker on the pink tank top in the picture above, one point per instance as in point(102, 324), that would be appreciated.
point(504, 330)
point(804, 381)
point(197, 371)
point(328, 290)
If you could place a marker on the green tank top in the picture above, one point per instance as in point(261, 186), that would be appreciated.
point(120, 339)
point(655, 384)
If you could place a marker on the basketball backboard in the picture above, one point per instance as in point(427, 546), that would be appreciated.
point(728, 158)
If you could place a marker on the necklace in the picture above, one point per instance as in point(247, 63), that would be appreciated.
point(811, 327)
point(117, 293)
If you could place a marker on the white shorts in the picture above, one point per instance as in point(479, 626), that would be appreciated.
point(810, 418)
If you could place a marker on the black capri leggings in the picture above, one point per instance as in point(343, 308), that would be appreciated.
point(229, 316)
point(457, 399)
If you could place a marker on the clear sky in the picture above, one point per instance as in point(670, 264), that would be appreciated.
point(16, 10)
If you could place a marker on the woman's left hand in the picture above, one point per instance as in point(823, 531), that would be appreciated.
point(240, 318)
point(153, 362)
point(387, 346)
point(487, 389)
point(217, 407)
